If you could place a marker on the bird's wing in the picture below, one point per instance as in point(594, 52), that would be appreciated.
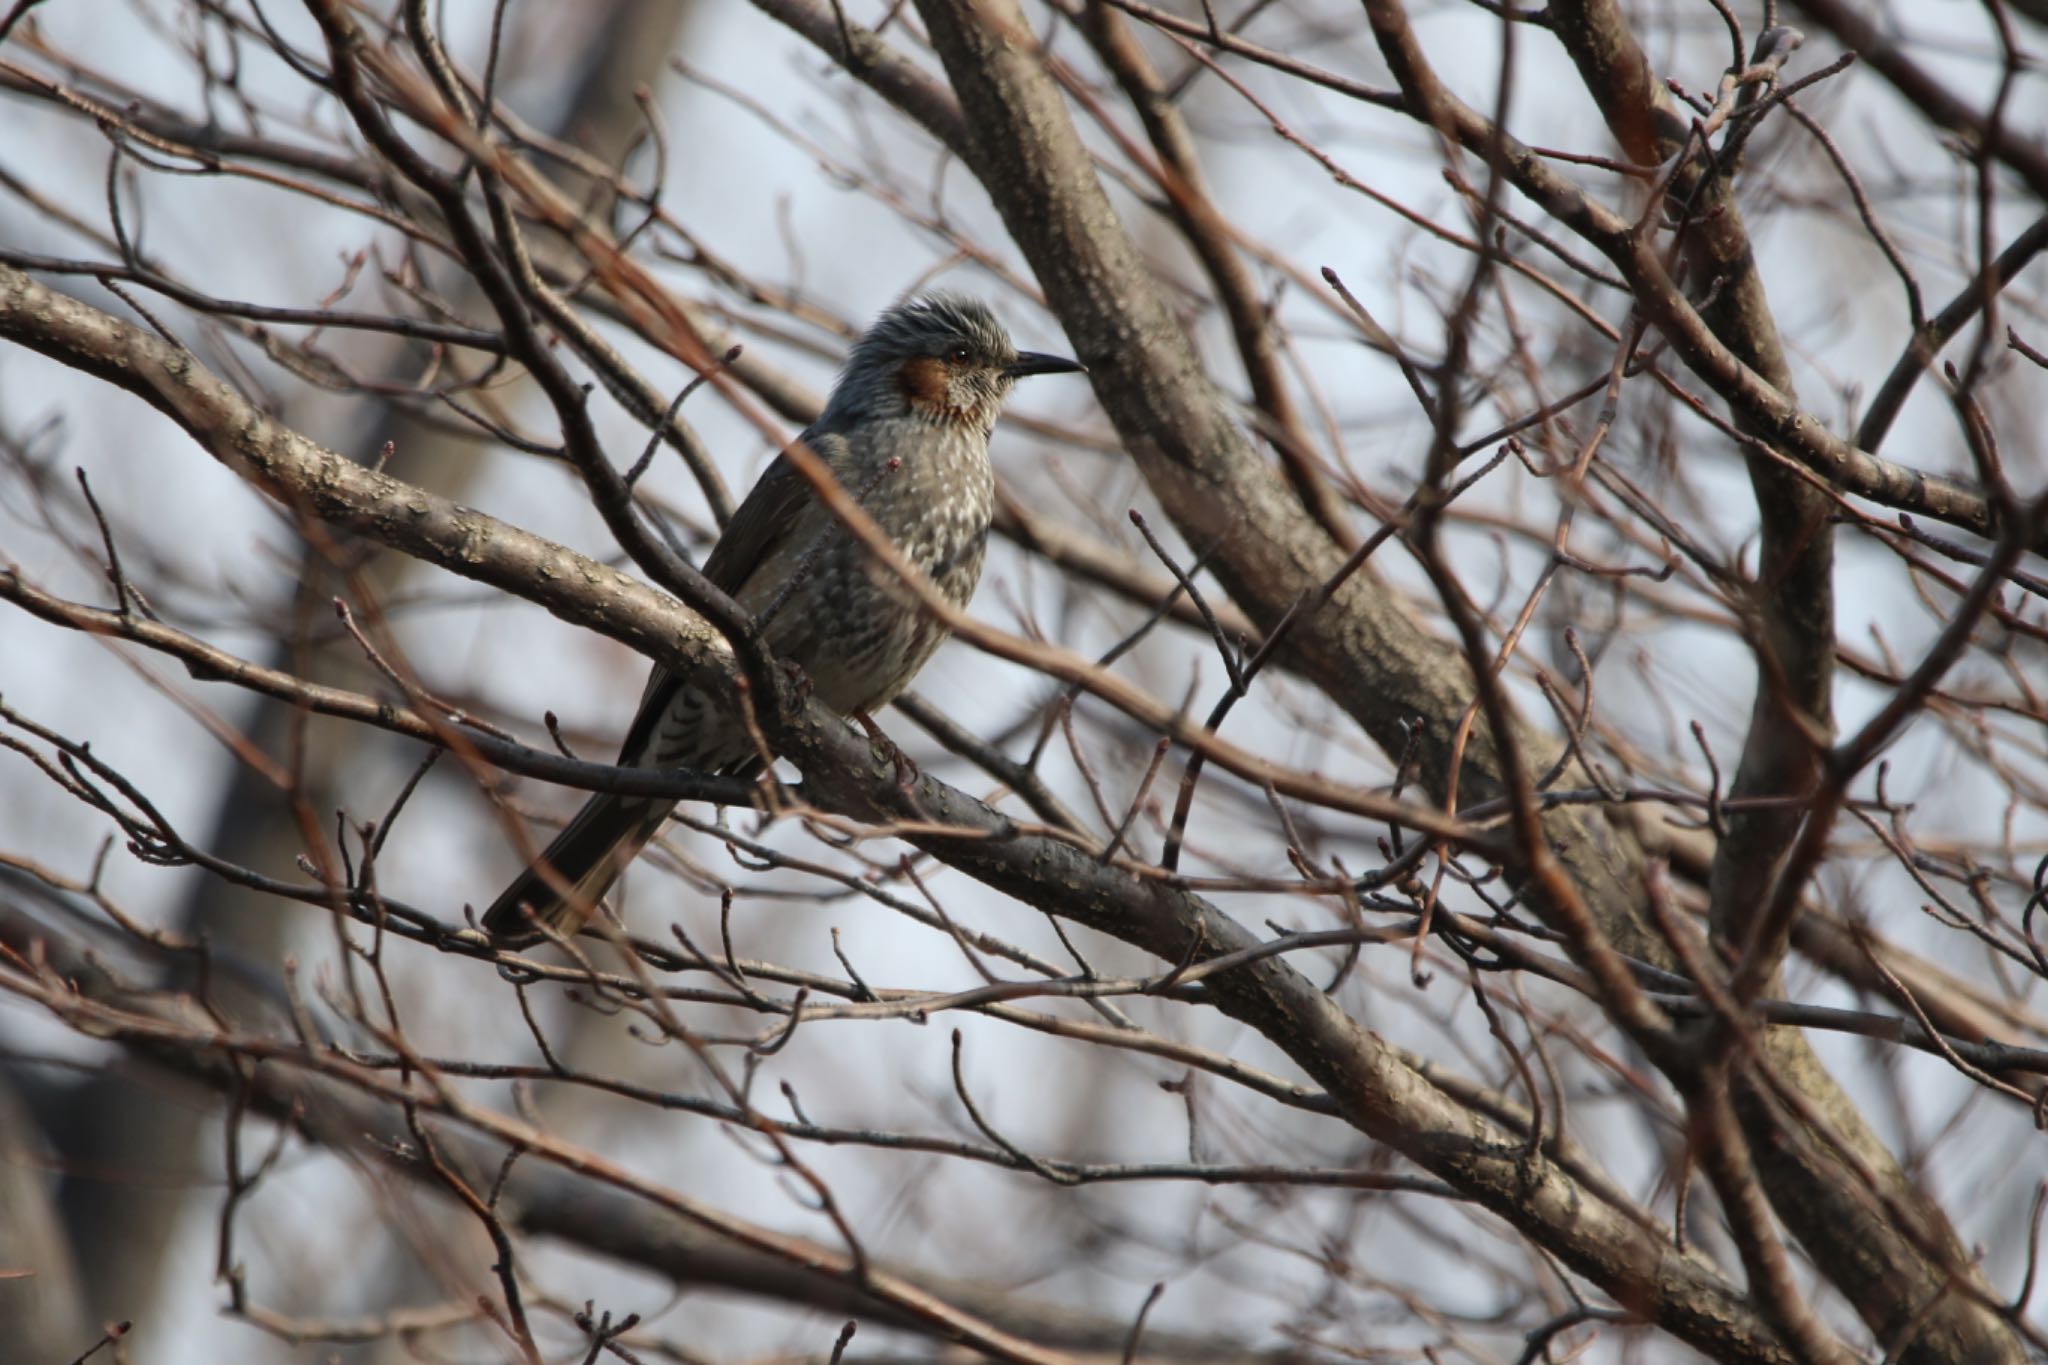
point(767, 516)
point(765, 519)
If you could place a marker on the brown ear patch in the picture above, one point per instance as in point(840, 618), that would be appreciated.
point(926, 383)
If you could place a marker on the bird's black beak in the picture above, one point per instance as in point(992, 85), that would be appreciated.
point(1036, 362)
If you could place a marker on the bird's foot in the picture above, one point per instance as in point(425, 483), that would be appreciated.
point(798, 679)
point(906, 767)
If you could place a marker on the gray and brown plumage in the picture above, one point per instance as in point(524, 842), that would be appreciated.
point(906, 432)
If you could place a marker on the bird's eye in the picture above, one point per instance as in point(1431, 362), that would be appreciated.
point(959, 355)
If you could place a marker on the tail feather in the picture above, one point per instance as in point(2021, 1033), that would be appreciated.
point(585, 858)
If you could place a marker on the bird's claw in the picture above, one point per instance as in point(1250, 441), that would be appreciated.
point(907, 773)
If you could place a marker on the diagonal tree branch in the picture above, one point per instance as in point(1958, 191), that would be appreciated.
point(1616, 1247)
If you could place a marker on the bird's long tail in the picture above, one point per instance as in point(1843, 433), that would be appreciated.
point(586, 857)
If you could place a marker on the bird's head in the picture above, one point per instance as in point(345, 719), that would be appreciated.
point(941, 357)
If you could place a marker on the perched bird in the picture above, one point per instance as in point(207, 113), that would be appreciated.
point(906, 432)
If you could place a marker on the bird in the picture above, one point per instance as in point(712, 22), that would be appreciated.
point(906, 432)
